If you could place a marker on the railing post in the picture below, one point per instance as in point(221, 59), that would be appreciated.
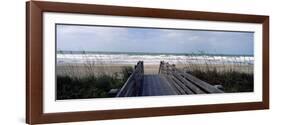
point(173, 67)
point(160, 67)
point(138, 78)
point(166, 68)
point(133, 83)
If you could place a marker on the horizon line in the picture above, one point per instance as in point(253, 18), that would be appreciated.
point(165, 53)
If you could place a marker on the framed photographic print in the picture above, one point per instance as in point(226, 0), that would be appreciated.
point(95, 62)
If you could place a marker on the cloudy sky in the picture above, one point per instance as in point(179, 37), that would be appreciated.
point(124, 39)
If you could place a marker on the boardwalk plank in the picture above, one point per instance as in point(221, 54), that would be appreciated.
point(196, 85)
point(181, 91)
point(186, 89)
point(173, 84)
point(185, 82)
point(171, 87)
point(206, 86)
point(153, 85)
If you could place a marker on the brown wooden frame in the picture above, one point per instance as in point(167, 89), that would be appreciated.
point(34, 61)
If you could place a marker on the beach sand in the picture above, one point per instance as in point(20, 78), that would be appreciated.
point(219, 67)
point(81, 70)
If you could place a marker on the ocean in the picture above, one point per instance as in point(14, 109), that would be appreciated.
point(149, 58)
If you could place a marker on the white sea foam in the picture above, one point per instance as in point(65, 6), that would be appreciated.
point(151, 59)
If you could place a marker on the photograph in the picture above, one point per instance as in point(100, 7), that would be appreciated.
point(84, 62)
point(98, 61)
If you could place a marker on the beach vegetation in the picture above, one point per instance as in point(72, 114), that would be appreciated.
point(233, 75)
point(91, 86)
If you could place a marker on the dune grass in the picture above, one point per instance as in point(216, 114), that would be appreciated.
point(69, 87)
point(95, 84)
point(233, 75)
point(232, 81)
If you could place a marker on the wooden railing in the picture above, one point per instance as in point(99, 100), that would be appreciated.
point(184, 83)
point(132, 87)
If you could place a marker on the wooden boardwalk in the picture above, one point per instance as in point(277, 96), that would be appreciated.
point(155, 85)
point(168, 81)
